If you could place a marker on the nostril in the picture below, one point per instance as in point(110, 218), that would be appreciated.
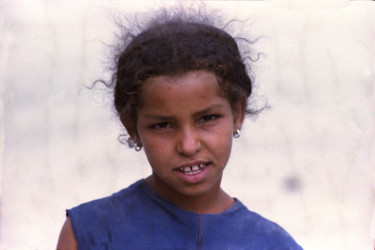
point(189, 148)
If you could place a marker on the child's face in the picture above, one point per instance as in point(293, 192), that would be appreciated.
point(186, 129)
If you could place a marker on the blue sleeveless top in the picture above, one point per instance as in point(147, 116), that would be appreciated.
point(138, 218)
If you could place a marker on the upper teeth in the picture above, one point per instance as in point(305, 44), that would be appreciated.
point(193, 169)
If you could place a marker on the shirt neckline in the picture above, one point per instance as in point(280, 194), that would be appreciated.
point(153, 195)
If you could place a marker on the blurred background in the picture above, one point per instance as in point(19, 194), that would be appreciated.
point(307, 163)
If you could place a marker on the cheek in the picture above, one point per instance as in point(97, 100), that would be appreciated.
point(154, 156)
point(222, 141)
point(150, 140)
point(155, 149)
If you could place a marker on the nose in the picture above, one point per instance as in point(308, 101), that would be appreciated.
point(189, 142)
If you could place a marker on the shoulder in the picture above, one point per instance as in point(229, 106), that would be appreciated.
point(261, 232)
point(111, 203)
point(92, 220)
point(67, 239)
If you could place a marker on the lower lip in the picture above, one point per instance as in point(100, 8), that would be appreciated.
point(194, 178)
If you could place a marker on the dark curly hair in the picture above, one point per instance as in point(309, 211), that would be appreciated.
point(172, 45)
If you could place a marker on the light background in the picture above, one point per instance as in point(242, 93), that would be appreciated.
point(307, 163)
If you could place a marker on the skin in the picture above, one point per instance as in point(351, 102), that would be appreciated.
point(183, 121)
point(67, 239)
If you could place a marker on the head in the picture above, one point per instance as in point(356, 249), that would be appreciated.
point(181, 89)
point(172, 48)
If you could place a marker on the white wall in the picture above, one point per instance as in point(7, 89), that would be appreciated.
point(307, 163)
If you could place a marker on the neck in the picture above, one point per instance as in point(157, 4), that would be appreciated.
point(212, 202)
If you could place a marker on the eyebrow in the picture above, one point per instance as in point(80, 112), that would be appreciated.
point(209, 109)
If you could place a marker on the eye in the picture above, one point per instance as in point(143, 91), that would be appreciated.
point(210, 117)
point(161, 125)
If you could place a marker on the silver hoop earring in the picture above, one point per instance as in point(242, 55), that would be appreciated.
point(137, 147)
point(237, 134)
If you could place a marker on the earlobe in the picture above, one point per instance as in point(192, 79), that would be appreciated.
point(137, 144)
point(239, 114)
point(137, 147)
point(237, 133)
point(133, 134)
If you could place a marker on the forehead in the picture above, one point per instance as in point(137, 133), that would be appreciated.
point(194, 88)
point(195, 78)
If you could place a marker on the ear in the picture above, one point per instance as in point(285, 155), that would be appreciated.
point(239, 113)
point(132, 131)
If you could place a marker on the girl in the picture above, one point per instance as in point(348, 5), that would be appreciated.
point(181, 90)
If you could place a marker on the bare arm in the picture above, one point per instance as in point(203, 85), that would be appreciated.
point(67, 240)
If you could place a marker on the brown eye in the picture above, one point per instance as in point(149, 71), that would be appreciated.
point(161, 125)
point(208, 118)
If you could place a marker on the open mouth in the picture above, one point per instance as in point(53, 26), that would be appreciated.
point(192, 170)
